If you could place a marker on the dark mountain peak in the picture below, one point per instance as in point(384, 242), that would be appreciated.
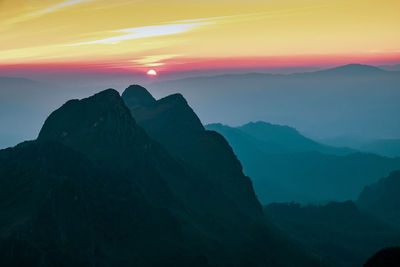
point(137, 96)
point(353, 69)
point(106, 93)
point(267, 124)
point(175, 99)
point(172, 113)
point(97, 123)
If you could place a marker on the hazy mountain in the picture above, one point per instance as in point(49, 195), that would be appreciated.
point(286, 166)
point(273, 138)
point(353, 69)
point(95, 190)
point(382, 198)
point(362, 103)
point(337, 230)
point(395, 67)
point(384, 147)
point(350, 100)
point(20, 109)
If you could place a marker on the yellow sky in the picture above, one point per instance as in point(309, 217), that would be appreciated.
point(153, 33)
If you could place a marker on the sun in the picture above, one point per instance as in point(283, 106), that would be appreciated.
point(152, 73)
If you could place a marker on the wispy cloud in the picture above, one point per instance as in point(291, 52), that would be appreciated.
point(36, 14)
point(59, 6)
point(145, 32)
point(154, 60)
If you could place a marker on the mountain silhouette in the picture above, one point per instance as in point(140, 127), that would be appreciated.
point(382, 198)
point(172, 122)
point(95, 190)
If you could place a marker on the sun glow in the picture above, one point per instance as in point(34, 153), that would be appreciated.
point(207, 34)
point(152, 73)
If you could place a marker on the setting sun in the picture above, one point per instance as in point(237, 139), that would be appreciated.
point(152, 73)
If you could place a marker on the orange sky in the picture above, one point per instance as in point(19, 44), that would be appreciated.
point(188, 34)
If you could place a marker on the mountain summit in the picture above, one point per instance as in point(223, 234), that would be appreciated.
point(173, 123)
point(353, 69)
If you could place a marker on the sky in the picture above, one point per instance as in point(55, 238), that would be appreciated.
point(182, 35)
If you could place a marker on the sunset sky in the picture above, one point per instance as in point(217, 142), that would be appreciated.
point(175, 35)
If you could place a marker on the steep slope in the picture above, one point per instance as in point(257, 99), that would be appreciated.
point(95, 190)
point(382, 198)
point(60, 209)
point(173, 123)
point(285, 166)
point(339, 231)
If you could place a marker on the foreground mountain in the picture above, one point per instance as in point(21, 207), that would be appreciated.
point(95, 190)
point(339, 231)
point(286, 166)
point(382, 198)
point(173, 123)
point(323, 103)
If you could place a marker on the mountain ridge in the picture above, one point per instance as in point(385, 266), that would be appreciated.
point(95, 190)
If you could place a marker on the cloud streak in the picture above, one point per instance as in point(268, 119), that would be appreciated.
point(145, 32)
point(59, 6)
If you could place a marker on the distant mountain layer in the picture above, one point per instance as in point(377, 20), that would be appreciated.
point(286, 166)
point(340, 231)
point(383, 199)
point(388, 147)
point(276, 139)
point(355, 100)
point(384, 147)
point(94, 189)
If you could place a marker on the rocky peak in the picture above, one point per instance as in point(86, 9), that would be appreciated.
point(95, 125)
point(136, 96)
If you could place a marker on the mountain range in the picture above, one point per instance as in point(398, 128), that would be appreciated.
point(353, 100)
point(383, 147)
point(99, 187)
point(339, 231)
point(322, 104)
point(286, 166)
point(347, 232)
